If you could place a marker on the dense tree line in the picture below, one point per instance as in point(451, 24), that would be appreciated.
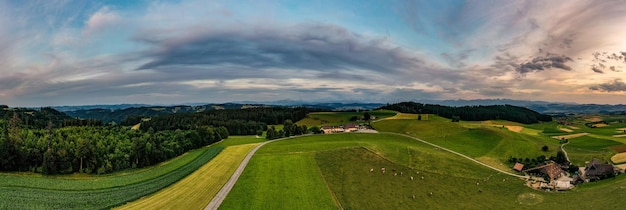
point(236, 121)
point(39, 119)
point(94, 149)
point(473, 113)
point(289, 129)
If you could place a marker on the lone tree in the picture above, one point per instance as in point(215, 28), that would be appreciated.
point(419, 117)
point(544, 148)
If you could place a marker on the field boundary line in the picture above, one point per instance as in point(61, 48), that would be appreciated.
point(221, 195)
point(459, 154)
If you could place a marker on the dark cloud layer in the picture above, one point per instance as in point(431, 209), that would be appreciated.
point(545, 62)
point(616, 86)
point(319, 47)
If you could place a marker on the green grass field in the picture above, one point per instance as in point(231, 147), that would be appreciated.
point(586, 148)
point(290, 181)
point(345, 160)
point(479, 141)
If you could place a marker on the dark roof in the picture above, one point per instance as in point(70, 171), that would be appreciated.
point(350, 126)
point(552, 170)
point(595, 168)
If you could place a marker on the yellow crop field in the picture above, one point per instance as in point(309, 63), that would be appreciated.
point(515, 128)
point(196, 190)
point(405, 116)
point(566, 130)
point(619, 158)
point(570, 136)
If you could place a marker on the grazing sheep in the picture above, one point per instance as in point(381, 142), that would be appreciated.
point(401, 173)
point(395, 174)
point(422, 177)
point(504, 180)
point(477, 183)
point(371, 169)
point(413, 197)
point(411, 177)
point(431, 193)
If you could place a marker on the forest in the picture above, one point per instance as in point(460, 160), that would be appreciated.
point(473, 113)
point(237, 121)
point(50, 142)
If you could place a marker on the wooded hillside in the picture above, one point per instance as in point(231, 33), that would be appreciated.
point(473, 113)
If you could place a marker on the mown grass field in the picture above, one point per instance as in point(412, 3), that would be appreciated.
point(345, 160)
point(585, 148)
point(101, 192)
point(479, 141)
point(290, 181)
point(196, 190)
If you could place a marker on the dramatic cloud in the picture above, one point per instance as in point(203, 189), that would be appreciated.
point(545, 62)
point(309, 46)
point(77, 52)
point(616, 86)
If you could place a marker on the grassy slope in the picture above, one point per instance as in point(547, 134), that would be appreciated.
point(477, 141)
point(289, 181)
point(196, 190)
point(345, 160)
point(585, 148)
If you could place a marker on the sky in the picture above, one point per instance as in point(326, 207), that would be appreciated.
point(63, 52)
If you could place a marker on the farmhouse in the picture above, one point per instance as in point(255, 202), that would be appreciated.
point(596, 170)
point(350, 128)
point(332, 129)
point(551, 170)
point(340, 129)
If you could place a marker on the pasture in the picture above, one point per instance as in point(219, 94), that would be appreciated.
point(337, 168)
point(290, 181)
point(484, 142)
point(586, 148)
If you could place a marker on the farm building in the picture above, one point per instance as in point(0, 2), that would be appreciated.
point(518, 167)
point(551, 170)
point(332, 129)
point(340, 129)
point(350, 128)
point(596, 170)
point(563, 185)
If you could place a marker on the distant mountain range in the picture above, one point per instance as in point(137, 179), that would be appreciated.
point(119, 112)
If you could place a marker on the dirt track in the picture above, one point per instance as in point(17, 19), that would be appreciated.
point(221, 195)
